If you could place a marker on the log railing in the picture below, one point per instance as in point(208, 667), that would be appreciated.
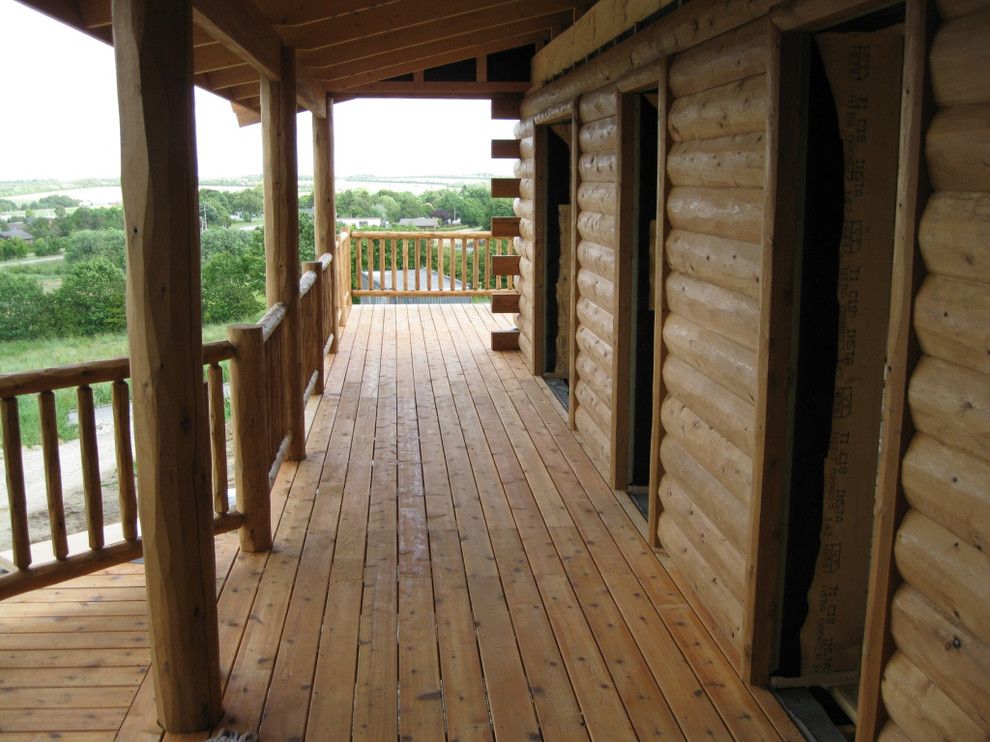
point(409, 264)
point(259, 427)
point(71, 560)
point(344, 277)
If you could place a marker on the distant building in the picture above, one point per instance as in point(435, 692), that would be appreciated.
point(16, 232)
point(420, 222)
point(362, 221)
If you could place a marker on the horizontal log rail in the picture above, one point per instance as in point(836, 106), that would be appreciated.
point(424, 264)
point(258, 426)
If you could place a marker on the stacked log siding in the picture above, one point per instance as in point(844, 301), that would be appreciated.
point(937, 683)
point(717, 130)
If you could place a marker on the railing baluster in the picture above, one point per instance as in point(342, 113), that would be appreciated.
point(16, 495)
point(121, 403)
point(464, 270)
point(90, 454)
point(395, 258)
point(405, 264)
point(429, 264)
point(53, 473)
point(475, 256)
point(418, 262)
point(218, 436)
point(381, 262)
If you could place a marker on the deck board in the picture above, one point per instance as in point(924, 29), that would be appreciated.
point(448, 561)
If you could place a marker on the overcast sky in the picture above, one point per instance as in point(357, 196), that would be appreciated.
point(58, 119)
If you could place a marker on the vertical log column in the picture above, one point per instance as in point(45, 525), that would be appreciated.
point(278, 133)
point(153, 41)
point(325, 207)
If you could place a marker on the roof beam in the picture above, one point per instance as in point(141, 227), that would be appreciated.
point(462, 45)
point(439, 31)
point(240, 27)
point(447, 56)
point(384, 18)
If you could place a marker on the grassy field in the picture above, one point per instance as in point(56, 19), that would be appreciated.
point(30, 355)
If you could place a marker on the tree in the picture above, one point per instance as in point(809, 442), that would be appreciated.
point(22, 307)
point(91, 300)
point(13, 248)
point(226, 294)
point(249, 203)
point(49, 246)
point(90, 243)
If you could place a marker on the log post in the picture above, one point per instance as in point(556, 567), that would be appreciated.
point(325, 208)
point(153, 40)
point(247, 379)
point(278, 135)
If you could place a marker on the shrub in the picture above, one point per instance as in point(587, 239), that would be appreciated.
point(103, 243)
point(12, 248)
point(226, 293)
point(49, 246)
point(22, 307)
point(91, 299)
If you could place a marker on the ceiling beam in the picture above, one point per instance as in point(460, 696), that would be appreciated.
point(384, 18)
point(446, 56)
point(437, 31)
point(240, 27)
point(437, 89)
point(461, 45)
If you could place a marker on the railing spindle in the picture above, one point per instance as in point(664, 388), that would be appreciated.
point(53, 473)
point(395, 258)
point(464, 268)
point(381, 262)
point(121, 403)
point(475, 255)
point(418, 262)
point(90, 454)
point(16, 496)
point(218, 437)
point(405, 264)
point(429, 264)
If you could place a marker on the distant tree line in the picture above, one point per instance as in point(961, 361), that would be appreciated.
point(470, 205)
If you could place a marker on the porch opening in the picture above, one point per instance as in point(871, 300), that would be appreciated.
point(852, 87)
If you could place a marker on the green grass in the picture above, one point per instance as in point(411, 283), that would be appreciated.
point(32, 355)
point(46, 269)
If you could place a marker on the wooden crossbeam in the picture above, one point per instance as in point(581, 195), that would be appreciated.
point(433, 89)
point(241, 28)
point(505, 265)
point(505, 187)
point(506, 107)
point(505, 149)
point(505, 339)
point(505, 302)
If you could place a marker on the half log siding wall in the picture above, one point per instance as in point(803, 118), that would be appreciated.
point(936, 684)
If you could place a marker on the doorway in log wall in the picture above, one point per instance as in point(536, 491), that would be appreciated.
point(554, 281)
point(638, 220)
point(851, 85)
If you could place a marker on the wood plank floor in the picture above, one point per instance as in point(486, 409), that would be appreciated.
point(448, 563)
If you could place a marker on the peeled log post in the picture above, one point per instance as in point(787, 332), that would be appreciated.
point(952, 403)
point(724, 461)
point(736, 213)
point(737, 108)
point(915, 702)
point(153, 47)
point(950, 487)
point(722, 311)
point(957, 148)
point(952, 235)
point(949, 572)
point(325, 217)
point(735, 161)
point(278, 135)
point(952, 320)
point(14, 469)
point(719, 358)
point(728, 263)
point(732, 56)
point(944, 650)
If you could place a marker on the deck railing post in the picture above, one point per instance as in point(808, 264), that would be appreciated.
point(153, 43)
point(324, 206)
point(249, 428)
point(318, 303)
point(278, 134)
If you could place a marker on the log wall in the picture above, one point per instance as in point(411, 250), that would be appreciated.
point(717, 128)
point(937, 682)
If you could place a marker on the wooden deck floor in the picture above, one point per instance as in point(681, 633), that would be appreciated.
point(448, 563)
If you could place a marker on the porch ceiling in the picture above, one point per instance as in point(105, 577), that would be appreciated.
point(345, 47)
point(448, 563)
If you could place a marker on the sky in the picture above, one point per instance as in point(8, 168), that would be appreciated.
point(58, 119)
